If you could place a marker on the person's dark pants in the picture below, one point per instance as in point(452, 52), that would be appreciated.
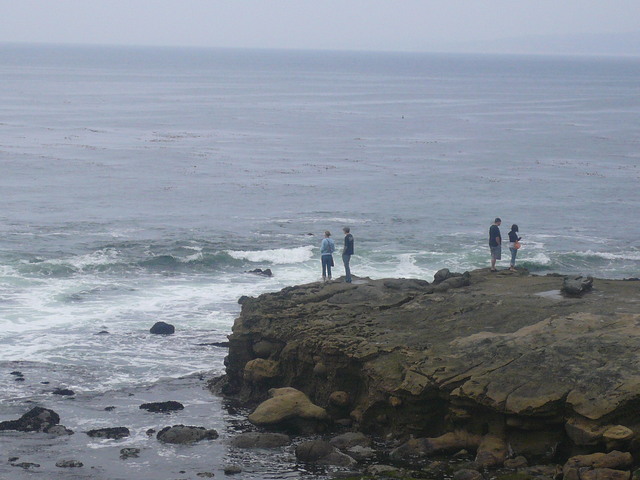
point(347, 271)
point(326, 266)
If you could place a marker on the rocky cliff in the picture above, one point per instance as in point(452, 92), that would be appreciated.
point(504, 359)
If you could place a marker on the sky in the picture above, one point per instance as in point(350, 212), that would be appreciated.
point(612, 26)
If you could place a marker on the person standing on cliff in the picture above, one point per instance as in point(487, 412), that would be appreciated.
point(327, 247)
point(514, 245)
point(495, 243)
point(347, 251)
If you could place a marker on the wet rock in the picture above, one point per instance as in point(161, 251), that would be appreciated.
point(183, 434)
point(59, 431)
point(16, 373)
point(232, 469)
point(205, 474)
point(129, 453)
point(162, 328)
point(26, 465)
point(382, 470)
point(65, 392)
point(467, 474)
point(69, 464)
point(576, 286)
point(109, 409)
point(37, 419)
point(162, 407)
point(320, 452)
point(349, 440)
point(285, 406)
point(260, 440)
point(360, 453)
point(449, 442)
point(265, 273)
point(114, 433)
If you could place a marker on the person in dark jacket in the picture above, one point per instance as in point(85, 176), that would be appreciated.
point(495, 243)
point(347, 251)
point(513, 239)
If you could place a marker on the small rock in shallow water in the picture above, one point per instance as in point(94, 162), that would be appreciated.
point(109, 409)
point(205, 474)
point(129, 453)
point(26, 465)
point(162, 407)
point(59, 431)
point(64, 392)
point(232, 469)
point(69, 464)
point(162, 328)
point(114, 433)
point(183, 434)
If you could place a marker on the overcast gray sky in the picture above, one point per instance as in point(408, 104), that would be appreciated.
point(407, 25)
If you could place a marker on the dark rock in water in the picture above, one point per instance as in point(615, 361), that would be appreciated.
point(162, 328)
point(151, 431)
point(232, 469)
point(320, 452)
point(182, 434)
point(26, 465)
point(17, 373)
point(65, 392)
point(114, 433)
point(260, 440)
point(19, 379)
point(576, 286)
point(69, 464)
point(109, 409)
point(102, 332)
point(205, 474)
point(59, 431)
point(129, 453)
point(265, 273)
point(37, 419)
point(162, 407)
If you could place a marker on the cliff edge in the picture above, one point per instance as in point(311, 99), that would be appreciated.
point(465, 358)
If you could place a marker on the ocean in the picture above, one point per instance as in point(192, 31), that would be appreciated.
point(143, 184)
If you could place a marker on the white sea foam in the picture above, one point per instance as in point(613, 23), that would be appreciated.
point(80, 262)
point(277, 256)
point(627, 255)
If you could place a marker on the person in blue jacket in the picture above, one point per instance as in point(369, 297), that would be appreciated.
point(327, 247)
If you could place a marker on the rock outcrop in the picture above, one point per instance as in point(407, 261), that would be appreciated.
point(498, 364)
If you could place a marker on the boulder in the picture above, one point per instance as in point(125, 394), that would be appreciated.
point(182, 434)
point(37, 419)
point(162, 328)
point(492, 452)
point(320, 452)
point(260, 440)
point(599, 466)
point(162, 407)
point(349, 440)
point(65, 392)
point(284, 405)
point(576, 286)
point(113, 433)
point(260, 370)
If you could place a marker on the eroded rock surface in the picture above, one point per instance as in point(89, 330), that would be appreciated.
point(488, 359)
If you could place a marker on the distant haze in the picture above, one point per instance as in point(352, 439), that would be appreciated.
point(518, 26)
